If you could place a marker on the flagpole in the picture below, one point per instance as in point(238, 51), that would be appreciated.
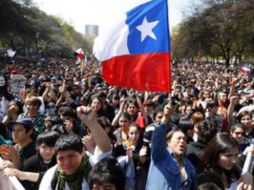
point(169, 45)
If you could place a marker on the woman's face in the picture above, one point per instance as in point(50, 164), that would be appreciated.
point(96, 105)
point(133, 135)
point(124, 122)
point(46, 152)
point(132, 109)
point(238, 135)
point(227, 160)
point(246, 121)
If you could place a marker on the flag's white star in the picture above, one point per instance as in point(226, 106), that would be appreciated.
point(146, 29)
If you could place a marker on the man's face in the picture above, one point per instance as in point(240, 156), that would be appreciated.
point(19, 133)
point(222, 97)
point(158, 117)
point(69, 160)
point(177, 143)
point(32, 108)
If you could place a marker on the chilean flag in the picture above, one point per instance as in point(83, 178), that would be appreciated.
point(135, 52)
point(245, 70)
point(79, 53)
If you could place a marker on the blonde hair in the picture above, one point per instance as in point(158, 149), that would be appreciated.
point(33, 100)
point(197, 117)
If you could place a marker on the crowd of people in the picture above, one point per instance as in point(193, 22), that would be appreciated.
point(72, 130)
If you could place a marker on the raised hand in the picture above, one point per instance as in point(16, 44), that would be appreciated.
point(143, 151)
point(68, 125)
point(86, 114)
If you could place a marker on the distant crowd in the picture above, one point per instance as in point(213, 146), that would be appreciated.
point(69, 129)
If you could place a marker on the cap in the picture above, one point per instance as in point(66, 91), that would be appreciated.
point(28, 123)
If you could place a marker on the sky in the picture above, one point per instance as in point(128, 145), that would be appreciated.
point(79, 13)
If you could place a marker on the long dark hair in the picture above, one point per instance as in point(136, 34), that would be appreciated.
point(242, 114)
point(221, 143)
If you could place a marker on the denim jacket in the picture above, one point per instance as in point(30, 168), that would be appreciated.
point(164, 172)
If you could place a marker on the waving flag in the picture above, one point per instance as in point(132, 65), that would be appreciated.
point(245, 70)
point(79, 54)
point(135, 53)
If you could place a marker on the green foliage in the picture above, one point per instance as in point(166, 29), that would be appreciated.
point(28, 30)
point(223, 29)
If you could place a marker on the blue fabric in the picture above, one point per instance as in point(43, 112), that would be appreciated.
point(164, 172)
point(4, 141)
point(130, 175)
point(155, 11)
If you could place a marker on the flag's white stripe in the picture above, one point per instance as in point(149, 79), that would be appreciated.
point(106, 47)
point(245, 69)
point(113, 41)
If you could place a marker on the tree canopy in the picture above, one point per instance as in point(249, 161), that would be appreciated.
point(223, 29)
point(29, 30)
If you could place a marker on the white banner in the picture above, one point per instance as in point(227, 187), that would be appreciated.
point(9, 183)
point(17, 84)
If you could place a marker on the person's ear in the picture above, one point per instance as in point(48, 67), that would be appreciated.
point(30, 132)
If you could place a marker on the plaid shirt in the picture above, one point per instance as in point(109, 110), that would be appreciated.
point(38, 121)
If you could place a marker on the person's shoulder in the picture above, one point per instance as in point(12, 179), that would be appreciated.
point(47, 178)
point(30, 162)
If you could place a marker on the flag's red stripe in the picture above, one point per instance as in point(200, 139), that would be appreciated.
point(146, 72)
point(244, 70)
point(80, 55)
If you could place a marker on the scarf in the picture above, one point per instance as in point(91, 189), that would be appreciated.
point(75, 180)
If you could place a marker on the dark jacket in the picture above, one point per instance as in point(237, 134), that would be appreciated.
point(195, 151)
point(37, 165)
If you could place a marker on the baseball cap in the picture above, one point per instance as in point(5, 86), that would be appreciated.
point(28, 123)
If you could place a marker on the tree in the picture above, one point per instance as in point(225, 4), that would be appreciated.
point(224, 28)
point(31, 31)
